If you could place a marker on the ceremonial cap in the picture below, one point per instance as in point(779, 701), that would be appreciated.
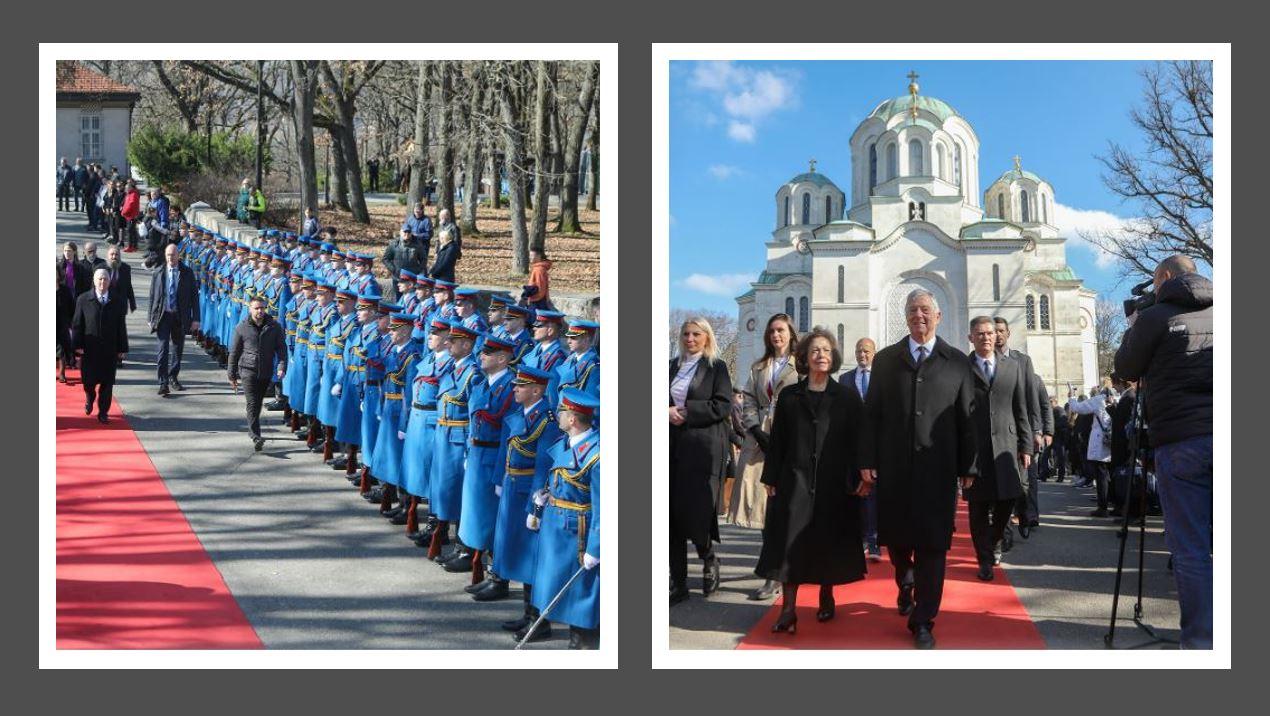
point(579, 401)
point(544, 316)
point(458, 330)
point(582, 327)
point(526, 375)
point(401, 319)
point(494, 344)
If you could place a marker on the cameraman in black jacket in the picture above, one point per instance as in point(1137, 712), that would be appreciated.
point(258, 341)
point(1170, 348)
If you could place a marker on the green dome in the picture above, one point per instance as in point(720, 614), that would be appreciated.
point(813, 178)
point(1018, 174)
point(899, 105)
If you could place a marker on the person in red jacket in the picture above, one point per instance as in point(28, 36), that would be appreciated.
point(130, 211)
point(537, 293)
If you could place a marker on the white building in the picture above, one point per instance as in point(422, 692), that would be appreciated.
point(94, 117)
point(916, 220)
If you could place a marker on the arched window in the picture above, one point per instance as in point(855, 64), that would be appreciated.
point(842, 284)
point(1000, 206)
point(873, 166)
point(806, 208)
point(789, 307)
point(785, 216)
point(892, 164)
point(996, 282)
point(828, 209)
point(803, 314)
point(957, 168)
point(1045, 313)
point(1025, 213)
point(914, 158)
point(841, 335)
point(1030, 307)
point(921, 210)
point(939, 162)
point(912, 211)
point(1045, 213)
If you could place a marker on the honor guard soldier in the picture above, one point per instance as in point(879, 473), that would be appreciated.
point(419, 421)
point(321, 317)
point(290, 312)
point(375, 343)
point(443, 298)
point(398, 361)
point(450, 442)
point(332, 383)
point(548, 353)
point(298, 371)
point(339, 270)
point(581, 369)
point(364, 281)
point(301, 260)
point(469, 314)
point(348, 427)
point(406, 290)
point(514, 330)
point(427, 304)
point(491, 400)
point(496, 313)
point(569, 525)
point(529, 431)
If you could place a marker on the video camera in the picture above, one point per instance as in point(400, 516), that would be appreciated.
point(1143, 297)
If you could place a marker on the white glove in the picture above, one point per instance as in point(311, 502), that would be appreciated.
point(531, 522)
point(540, 498)
point(401, 435)
point(589, 562)
point(498, 490)
point(336, 390)
point(362, 406)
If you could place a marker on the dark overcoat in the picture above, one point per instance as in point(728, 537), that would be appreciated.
point(1002, 431)
point(99, 330)
point(699, 450)
point(919, 437)
point(812, 529)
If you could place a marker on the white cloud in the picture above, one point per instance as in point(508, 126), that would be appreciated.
point(724, 171)
point(745, 95)
point(727, 284)
point(1071, 221)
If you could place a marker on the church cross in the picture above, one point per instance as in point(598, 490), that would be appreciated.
point(813, 164)
point(1018, 163)
point(912, 76)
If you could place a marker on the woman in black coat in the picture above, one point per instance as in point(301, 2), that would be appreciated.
point(700, 422)
point(65, 312)
point(812, 533)
point(449, 251)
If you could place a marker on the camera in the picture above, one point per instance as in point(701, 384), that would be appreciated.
point(1143, 297)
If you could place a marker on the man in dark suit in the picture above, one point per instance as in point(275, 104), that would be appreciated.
point(1033, 410)
point(857, 379)
point(120, 278)
point(91, 260)
point(1004, 438)
point(74, 274)
point(917, 443)
point(173, 312)
point(101, 339)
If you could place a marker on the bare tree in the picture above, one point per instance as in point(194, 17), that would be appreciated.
point(1172, 179)
point(419, 147)
point(344, 88)
point(542, 179)
point(441, 93)
point(1109, 327)
point(514, 148)
point(593, 142)
point(305, 81)
point(473, 160)
point(577, 115)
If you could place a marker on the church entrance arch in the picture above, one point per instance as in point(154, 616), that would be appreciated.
point(895, 325)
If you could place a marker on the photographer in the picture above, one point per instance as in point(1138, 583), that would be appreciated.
point(1169, 348)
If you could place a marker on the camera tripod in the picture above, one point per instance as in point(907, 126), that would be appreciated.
point(1137, 479)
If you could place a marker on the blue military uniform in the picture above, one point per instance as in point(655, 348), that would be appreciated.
point(420, 422)
point(488, 405)
point(320, 319)
point(451, 437)
point(580, 370)
point(348, 427)
point(374, 342)
point(398, 363)
point(333, 363)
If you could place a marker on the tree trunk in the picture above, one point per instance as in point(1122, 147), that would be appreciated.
point(418, 153)
point(542, 149)
point(579, 114)
point(345, 99)
point(513, 146)
point(496, 181)
point(593, 186)
point(339, 171)
point(304, 87)
point(473, 160)
point(441, 92)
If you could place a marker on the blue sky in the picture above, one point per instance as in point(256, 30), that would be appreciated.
point(740, 130)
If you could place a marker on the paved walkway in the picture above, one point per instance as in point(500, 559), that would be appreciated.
point(312, 565)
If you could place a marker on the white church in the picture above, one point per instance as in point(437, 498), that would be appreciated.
point(916, 220)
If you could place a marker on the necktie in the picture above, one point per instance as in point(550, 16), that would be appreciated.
point(171, 290)
point(987, 370)
point(864, 383)
point(921, 354)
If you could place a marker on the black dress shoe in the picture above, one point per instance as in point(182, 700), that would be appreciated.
point(769, 589)
point(103, 419)
point(1025, 530)
point(496, 590)
point(340, 463)
point(474, 588)
point(710, 576)
point(275, 405)
point(400, 518)
point(176, 384)
point(542, 633)
point(905, 600)
point(985, 572)
point(460, 561)
point(922, 638)
point(678, 593)
point(374, 494)
point(1007, 540)
point(163, 389)
point(827, 608)
point(88, 408)
point(786, 624)
point(394, 512)
point(259, 443)
point(518, 624)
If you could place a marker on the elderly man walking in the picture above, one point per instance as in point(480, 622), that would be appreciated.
point(917, 443)
point(173, 312)
point(101, 339)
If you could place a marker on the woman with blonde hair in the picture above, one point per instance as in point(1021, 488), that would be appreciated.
point(699, 413)
point(769, 375)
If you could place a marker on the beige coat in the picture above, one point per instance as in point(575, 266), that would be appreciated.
point(749, 498)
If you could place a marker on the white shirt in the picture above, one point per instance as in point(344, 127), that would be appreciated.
point(575, 439)
point(913, 345)
point(530, 409)
point(679, 385)
point(439, 355)
point(860, 371)
point(491, 379)
point(778, 366)
point(986, 365)
point(516, 336)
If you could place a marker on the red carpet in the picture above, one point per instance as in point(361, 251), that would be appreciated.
point(131, 574)
point(972, 615)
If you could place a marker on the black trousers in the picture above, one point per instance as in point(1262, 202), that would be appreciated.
point(923, 569)
point(101, 393)
point(1027, 508)
point(1102, 478)
point(171, 347)
point(679, 554)
point(988, 522)
point(254, 388)
point(64, 192)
